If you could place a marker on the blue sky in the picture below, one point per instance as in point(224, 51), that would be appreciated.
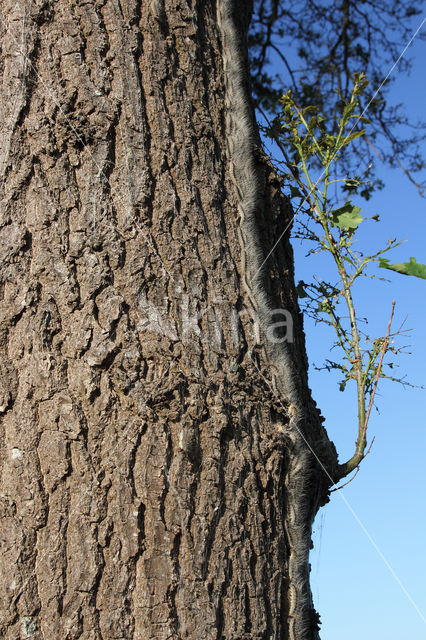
point(369, 560)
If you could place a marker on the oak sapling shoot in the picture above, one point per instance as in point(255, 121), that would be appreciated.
point(308, 149)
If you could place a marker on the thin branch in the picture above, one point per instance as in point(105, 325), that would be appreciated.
point(347, 482)
point(284, 59)
point(359, 454)
point(379, 368)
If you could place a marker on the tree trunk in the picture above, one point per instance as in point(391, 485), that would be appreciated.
point(157, 474)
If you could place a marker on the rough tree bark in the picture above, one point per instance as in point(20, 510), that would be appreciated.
point(154, 482)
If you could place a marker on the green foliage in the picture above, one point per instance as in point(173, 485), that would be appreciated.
point(307, 142)
point(346, 217)
point(412, 268)
point(315, 47)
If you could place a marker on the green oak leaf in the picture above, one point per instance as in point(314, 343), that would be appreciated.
point(412, 268)
point(353, 136)
point(346, 217)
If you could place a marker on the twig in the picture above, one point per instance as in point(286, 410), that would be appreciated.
point(379, 368)
point(347, 482)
